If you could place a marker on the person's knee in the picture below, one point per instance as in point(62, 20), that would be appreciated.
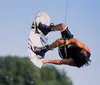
point(60, 41)
point(63, 26)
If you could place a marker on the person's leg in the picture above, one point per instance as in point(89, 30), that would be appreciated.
point(65, 33)
point(64, 30)
point(57, 43)
point(45, 29)
point(42, 50)
point(59, 27)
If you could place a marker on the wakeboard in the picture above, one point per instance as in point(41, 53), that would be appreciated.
point(37, 38)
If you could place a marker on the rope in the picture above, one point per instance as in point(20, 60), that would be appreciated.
point(66, 11)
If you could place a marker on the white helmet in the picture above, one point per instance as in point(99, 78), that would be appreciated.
point(43, 18)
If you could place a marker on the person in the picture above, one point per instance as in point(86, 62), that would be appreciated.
point(72, 51)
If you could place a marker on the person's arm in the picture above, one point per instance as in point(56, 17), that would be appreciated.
point(78, 43)
point(60, 62)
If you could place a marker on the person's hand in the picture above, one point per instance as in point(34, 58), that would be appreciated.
point(44, 61)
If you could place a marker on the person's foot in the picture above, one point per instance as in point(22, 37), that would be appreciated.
point(44, 28)
point(40, 51)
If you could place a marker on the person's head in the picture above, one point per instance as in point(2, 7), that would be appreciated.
point(85, 57)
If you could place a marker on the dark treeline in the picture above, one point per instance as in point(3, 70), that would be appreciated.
point(16, 70)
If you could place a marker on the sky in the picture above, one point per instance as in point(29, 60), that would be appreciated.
point(81, 16)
